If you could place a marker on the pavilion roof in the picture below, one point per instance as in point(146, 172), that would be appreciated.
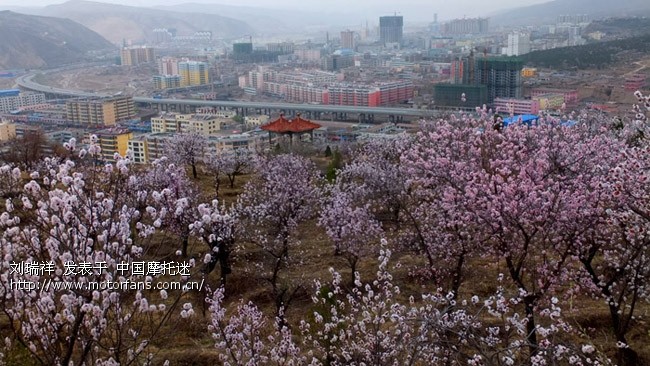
point(296, 125)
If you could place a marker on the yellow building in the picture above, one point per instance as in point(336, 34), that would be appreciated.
point(193, 73)
point(550, 101)
point(205, 124)
point(528, 72)
point(7, 131)
point(166, 81)
point(106, 111)
point(255, 121)
point(114, 141)
point(133, 56)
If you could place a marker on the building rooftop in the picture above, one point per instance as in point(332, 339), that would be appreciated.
point(296, 125)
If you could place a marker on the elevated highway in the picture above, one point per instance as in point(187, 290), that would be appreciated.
point(362, 114)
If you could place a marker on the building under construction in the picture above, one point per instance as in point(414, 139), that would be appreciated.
point(500, 75)
point(451, 95)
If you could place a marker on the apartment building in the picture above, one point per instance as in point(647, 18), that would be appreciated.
point(205, 124)
point(516, 106)
point(133, 56)
point(193, 73)
point(113, 141)
point(13, 99)
point(103, 111)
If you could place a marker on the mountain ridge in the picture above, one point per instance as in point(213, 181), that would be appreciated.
point(31, 41)
point(547, 13)
point(119, 22)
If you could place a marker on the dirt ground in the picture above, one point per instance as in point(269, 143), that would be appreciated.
point(134, 80)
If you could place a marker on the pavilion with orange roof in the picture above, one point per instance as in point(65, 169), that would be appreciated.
point(283, 126)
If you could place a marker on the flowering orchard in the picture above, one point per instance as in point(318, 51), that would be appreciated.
point(466, 243)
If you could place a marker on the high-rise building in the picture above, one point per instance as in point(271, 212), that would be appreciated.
point(347, 39)
point(161, 35)
point(281, 47)
point(168, 66)
point(244, 48)
point(518, 44)
point(105, 111)
point(465, 26)
point(133, 56)
point(391, 29)
point(501, 75)
point(193, 73)
point(167, 81)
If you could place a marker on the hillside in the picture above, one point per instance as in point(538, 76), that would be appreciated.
point(618, 28)
point(547, 13)
point(271, 21)
point(118, 22)
point(34, 41)
point(595, 55)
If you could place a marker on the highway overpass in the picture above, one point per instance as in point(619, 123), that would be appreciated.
point(188, 105)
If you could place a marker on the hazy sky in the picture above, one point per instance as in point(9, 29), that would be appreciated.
point(409, 8)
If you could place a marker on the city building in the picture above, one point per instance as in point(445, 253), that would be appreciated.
point(465, 26)
point(451, 95)
point(113, 141)
point(518, 44)
point(528, 72)
point(306, 94)
point(550, 101)
point(106, 111)
point(501, 75)
point(570, 96)
point(347, 39)
point(245, 48)
point(168, 66)
point(281, 47)
point(162, 35)
point(204, 124)
point(133, 56)
point(13, 99)
point(166, 81)
point(516, 106)
point(7, 130)
point(370, 95)
point(193, 73)
point(391, 29)
point(308, 55)
point(151, 146)
point(337, 61)
point(255, 121)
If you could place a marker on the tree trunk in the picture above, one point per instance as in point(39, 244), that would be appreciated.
point(531, 337)
point(458, 275)
point(624, 356)
point(194, 171)
point(217, 185)
point(224, 255)
point(231, 178)
point(185, 242)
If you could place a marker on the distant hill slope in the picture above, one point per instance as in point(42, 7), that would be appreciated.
point(119, 22)
point(547, 12)
point(30, 41)
point(595, 55)
point(269, 21)
point(617, 28)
